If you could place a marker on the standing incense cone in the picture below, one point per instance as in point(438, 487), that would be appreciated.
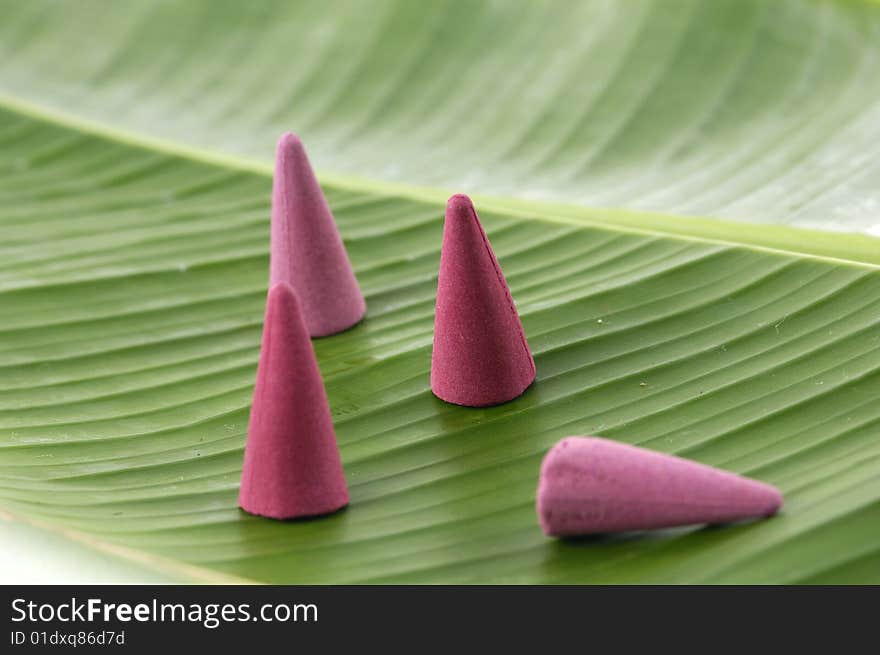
point(291, 462)
point(591, 485)
point(480, 355)
point(307, 252)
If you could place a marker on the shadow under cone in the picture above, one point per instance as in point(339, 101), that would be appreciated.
point(590, 485)
point(307, 252)
point(480, 354)
point(292, 466)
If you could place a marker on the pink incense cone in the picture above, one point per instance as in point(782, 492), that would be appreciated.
point(291, 461)
point(591, 485)
point(307, 251)
point(481, 356)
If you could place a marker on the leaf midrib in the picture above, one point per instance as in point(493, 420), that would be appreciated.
point(831, 247)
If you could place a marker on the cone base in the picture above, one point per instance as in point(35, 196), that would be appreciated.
point(313, 513)
point(454, 399)
point(343, 326)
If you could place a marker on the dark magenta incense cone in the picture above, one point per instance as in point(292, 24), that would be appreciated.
point(307, 252)
point(590, 485)
point(481, 356)
point(292, 466)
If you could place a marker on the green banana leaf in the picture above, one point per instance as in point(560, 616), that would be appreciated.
point(135, 162)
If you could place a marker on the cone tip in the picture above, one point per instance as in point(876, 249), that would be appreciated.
point(281, 288)
point(459, 202)
point(281, 293)
point(288, 141)
point(460, 209)
point(774, 500)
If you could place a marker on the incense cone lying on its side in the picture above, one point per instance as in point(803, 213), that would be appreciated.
point(590, 485)
point(480, 354)
point(292, 466)
point(307, 252)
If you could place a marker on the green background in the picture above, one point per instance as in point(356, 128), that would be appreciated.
point(603, 141)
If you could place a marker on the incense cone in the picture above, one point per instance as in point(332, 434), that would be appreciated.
point(481, 356)
point(292, 466)
point(591, 485)
point(307, 252)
